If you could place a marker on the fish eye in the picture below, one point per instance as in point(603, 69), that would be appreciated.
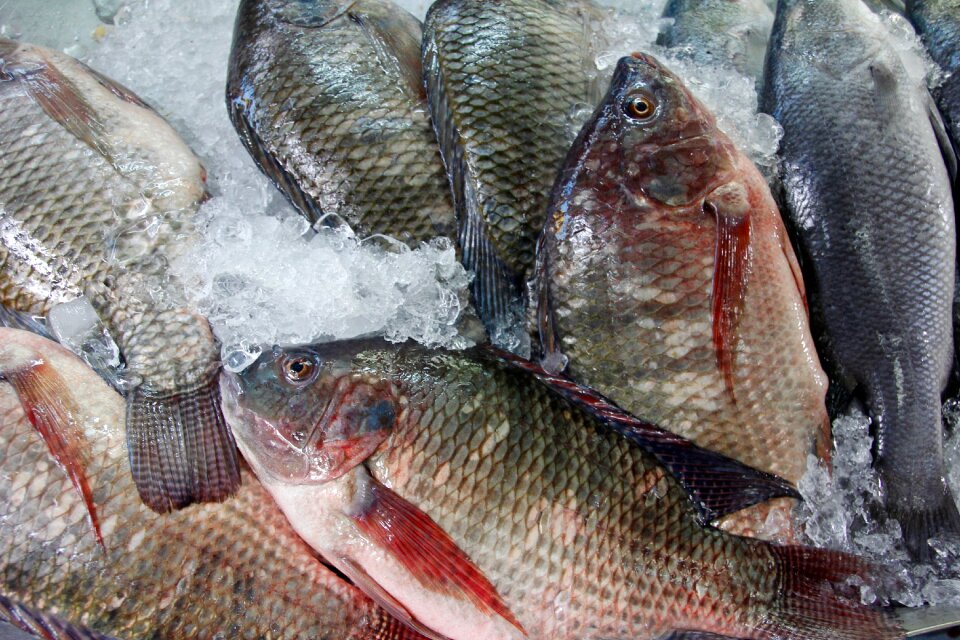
point(640, 106)
point(299, 369)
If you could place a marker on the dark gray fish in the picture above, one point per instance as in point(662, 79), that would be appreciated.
point(328, 98)
point(97, 195)
point(503, 79)
point(869, 198)
point(720, 32)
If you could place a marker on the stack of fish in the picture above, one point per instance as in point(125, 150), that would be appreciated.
point(635, 479)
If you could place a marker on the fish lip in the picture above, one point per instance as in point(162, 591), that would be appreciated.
point(646, 59)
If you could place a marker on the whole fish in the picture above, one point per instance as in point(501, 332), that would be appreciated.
point(97, 193)
point(328, 98)
point(938, 23)
point(503, 80)
point(667, 281)
point(479, 497)
point(869, 199)
point(732, 32)
point(234, 569)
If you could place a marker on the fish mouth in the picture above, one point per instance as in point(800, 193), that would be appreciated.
point(646, 59)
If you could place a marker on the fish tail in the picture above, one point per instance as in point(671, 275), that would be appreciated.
point(818, 596)
point(920, 523)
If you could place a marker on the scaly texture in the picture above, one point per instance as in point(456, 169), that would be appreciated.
point(581, 532)
point(97, 194)
point(329, 100)
point(655, 298)
point(504, 79)
point(869, 200)
point(234, 569)
point(938, 23)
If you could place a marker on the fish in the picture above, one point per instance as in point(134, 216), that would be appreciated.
point(329, 100)
point(720, 32)
point(476, 495)
point(880, 248)
point(229, 569)
point(504, 80)
point(668, 283)
point(97, 195)
point(18, 622)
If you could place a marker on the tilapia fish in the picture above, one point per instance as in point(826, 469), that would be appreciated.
point(503, 80)
point(97, 193)
point(480, 497)
point(234, 569)
point(667, 281)
point(328, 98)
point(869, 200)
point(938, 22)
point(720, 32)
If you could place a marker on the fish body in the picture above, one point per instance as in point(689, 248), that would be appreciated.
point(669, 285)
point(503, 79)
point(720, 32)
point(938, 23)
point(328, 98)
point(485, 498)
point(880, 242)
point(97, 194)
point(234, 569)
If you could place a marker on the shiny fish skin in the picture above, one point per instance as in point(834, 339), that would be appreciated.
point(328, 98)
point(503, 79)
point(628, 266)
point(881, 247)
point(720, 32)
point(581, 532)
point(97, 194)
point(938, 23)
point(235, 569)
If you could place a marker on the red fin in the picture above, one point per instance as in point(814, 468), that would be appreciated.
point(731, 269)
point(427, 551)
point(47, 403)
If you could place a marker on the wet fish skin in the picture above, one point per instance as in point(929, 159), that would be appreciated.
point(580, 532)
point(668, 282)
point(938, 23)
point(98, 194)
point(234, 568)
point(882, 247)
point(328, 98)
point(720, 31)
point(502, 80)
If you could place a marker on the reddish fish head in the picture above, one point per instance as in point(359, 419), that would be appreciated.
point(306, 414)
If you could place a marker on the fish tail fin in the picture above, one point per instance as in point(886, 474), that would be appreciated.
point(181, 450)
point(818, 596)
point(918, 525)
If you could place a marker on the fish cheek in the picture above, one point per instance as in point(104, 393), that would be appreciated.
point(362, 419)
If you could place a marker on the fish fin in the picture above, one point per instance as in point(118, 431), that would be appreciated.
point(35, 624)
point(428, 553)
point(919, 525)
point(944, 139)
point(730, 274)
point(495, 288)
point(117, 89)
point(395, 36)
point(49, 406)
point(181, 450)
point(242, 111)
point(551, 358)
point(311, 15)
point(717, 485)
point(818, 597)
point(378, 594)
point(25, 321)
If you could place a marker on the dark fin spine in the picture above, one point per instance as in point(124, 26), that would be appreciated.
point(730, 272)
point(40, 625)
point(417, 542)
point(48, 405)
point(181, 450)
point(717, 485)
point(551, 358)
point(818, 597)
point(24, 321)
point(918, 526)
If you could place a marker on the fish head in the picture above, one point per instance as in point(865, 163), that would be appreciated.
point(306, 414)
point(670, 149)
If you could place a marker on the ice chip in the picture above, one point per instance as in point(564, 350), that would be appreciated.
point(77, 326)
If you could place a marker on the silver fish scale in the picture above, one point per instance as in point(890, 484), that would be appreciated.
point(342, 130)
point(870, 200)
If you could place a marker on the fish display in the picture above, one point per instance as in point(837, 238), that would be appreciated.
point(328, 97)
point(667, 281)
point(938, 23)
point(97, 194)
point(478, 496)
point(881, 248)
point(234, 569)
point(720, 32)
point(503, 80)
